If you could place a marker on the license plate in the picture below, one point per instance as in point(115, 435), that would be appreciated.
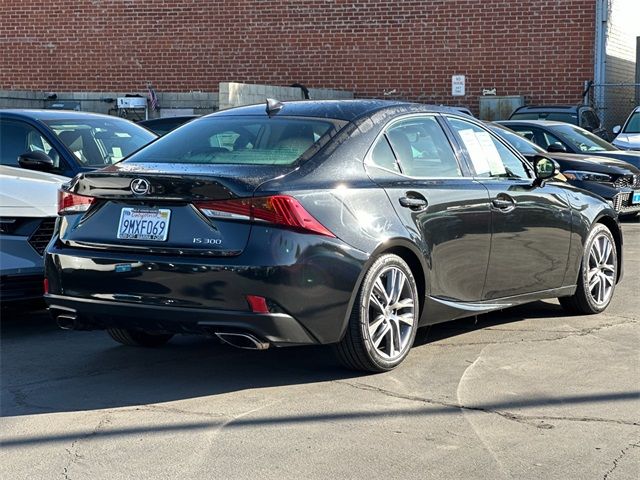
point(144, 224)
point(636, 197)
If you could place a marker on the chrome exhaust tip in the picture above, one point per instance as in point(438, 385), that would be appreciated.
point(67, 322)
point(242, 340)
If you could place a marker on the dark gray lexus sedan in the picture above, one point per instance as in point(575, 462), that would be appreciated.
point(350, 223)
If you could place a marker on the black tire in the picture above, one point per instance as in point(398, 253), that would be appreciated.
point(137, 338)
point(582, 301)
point(356, 350)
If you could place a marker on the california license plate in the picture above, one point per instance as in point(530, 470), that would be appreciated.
point(144, 224)
point(636, 197)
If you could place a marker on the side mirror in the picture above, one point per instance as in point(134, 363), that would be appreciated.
point(545, 169)
point(36, 161)
point(617, 129)
point(556, 147)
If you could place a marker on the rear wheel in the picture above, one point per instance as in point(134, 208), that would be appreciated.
point(384, 319)
point(137, 338)
point(598, 274)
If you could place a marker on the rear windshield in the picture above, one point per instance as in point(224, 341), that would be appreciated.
point(249, 140)
point(555, 116)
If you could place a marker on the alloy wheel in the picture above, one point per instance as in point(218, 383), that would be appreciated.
point(602, 270)
point(391, 312)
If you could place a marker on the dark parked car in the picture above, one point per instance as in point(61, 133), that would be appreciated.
point(66, 143)
point(581, 115)
point(339, 222)
point(557, 137)
point(162, 126)
point(614, 180)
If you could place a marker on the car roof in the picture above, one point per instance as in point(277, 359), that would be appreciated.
point(549, 108)
point(335, 109)
point(53, 114)
point(178, 118)
point(540, 123)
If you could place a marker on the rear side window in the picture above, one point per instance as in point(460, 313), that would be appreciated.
point(250, 140)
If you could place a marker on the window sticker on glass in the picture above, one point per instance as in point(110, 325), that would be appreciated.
point(476, 152)
point(491, 152)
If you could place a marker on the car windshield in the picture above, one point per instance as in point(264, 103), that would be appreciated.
point(524, 146)
point(582, 140)
point(245, 140)
point(100, 142)
point(633, 124)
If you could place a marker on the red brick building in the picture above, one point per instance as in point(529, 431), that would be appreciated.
point(542, 49)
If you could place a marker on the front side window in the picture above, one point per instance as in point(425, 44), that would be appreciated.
point(17, 138)
point(422, 149)
point(490, 158)
point(590, 120)
point(633, 124)
point(97, 142)
point(250, 140)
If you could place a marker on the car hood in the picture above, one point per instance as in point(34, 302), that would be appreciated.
point(627, 140)
point(28, 193)
point(592, 163)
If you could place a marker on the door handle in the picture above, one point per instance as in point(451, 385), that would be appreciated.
point(413, 203)
point(503, 202)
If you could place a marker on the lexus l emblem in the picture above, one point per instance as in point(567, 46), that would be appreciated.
point(140, 186)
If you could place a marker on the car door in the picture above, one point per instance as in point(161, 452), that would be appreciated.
point(531, 223)
point(446, 211)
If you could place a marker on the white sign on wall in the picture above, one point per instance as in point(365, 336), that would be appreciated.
point(457, 85)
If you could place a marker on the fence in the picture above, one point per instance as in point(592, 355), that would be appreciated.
point(614, 101)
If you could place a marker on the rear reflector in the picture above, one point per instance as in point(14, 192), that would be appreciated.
point(45, 286)
point(277, 209)
point(73, 203)
point(257, 304)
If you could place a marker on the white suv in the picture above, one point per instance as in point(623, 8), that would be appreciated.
point(28, 211)
point(628, 137)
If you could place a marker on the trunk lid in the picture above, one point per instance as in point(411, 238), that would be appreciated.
point(160, 215)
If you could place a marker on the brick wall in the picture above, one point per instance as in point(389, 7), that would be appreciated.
point(542, 49)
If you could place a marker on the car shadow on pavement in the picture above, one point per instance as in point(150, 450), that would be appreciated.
point(47, 370)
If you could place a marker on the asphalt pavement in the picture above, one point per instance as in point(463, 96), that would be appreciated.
point(526, 393)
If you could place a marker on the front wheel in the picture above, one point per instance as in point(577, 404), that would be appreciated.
point(598, 274)
point(137, 338)
point(384, 319)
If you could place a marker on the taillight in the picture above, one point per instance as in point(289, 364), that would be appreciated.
point(276, 209)
point(73, 203)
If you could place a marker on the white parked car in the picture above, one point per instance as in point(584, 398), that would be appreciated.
point(28, 210)
point(628, 136)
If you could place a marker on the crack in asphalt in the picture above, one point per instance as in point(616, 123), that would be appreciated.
point(576, 333)
point(616, 461)
point(516, 417)
point(72, 451)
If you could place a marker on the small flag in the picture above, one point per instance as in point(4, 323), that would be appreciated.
point(153, 98)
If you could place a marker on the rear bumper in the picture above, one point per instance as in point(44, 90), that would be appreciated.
point(308, 282)
point(276, 328)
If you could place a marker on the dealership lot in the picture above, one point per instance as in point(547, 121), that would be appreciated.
point(524, 393)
